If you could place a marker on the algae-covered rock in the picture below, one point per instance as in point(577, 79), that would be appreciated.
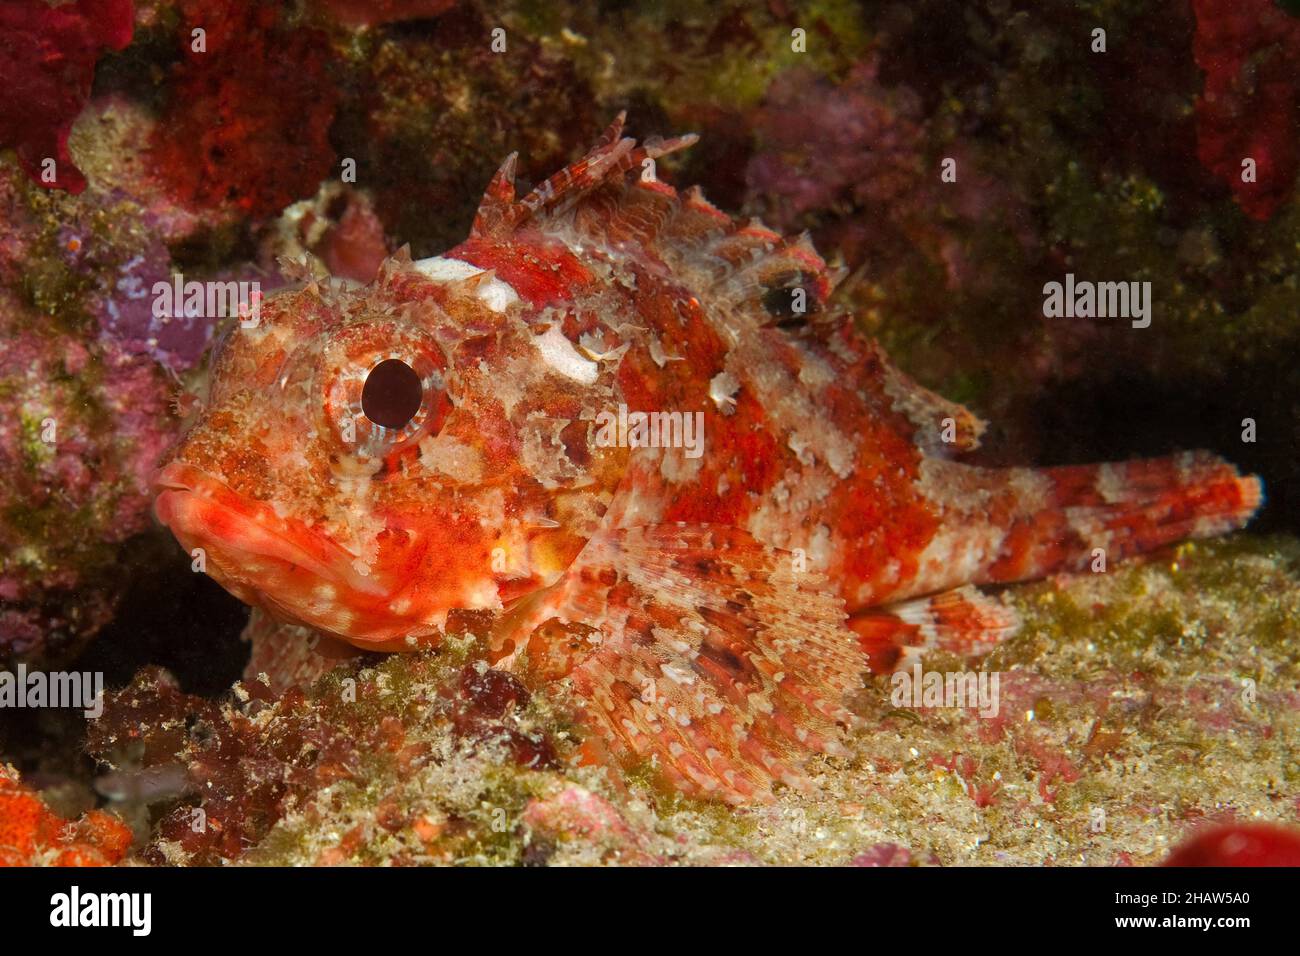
point(1135, 706)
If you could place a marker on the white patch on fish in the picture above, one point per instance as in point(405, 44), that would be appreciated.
point(494, 293)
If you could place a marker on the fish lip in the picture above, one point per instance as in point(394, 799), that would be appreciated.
point(181, 488)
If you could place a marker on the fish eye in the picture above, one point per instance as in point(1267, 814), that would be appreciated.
point(381, 391)
point(392, 394)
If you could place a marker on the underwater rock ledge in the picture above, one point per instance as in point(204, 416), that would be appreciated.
point(1137, 707)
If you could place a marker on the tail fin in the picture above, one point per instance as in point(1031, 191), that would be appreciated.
point(1021, 523)
point(1127, 508)
point(1001, 525)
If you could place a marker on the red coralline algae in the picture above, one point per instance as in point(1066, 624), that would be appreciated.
point(1260, 844)
point(47, 63)
point(248, 120)
point(1248, 50)
point(487, 696)
point(576, 813)
point(967, 770)
point(76, 450)
point(251, 761)
point(849, 158)
point(867, 142)
point(30, 835)
point(883, 854)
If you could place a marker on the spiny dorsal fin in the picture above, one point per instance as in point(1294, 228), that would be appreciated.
point(613, 154)
point(613, 132)
point(498, 198)
point(617, 200)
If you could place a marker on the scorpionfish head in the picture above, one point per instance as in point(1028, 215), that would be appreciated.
point(369, 461)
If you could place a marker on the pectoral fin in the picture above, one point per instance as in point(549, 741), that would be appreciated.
point(290, 655)
point(702, 651)
point(964, 621)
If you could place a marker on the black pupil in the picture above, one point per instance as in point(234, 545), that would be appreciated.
point(392, 394)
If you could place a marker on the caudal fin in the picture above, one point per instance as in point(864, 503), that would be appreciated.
point(1068, 518)
point(1016, 524)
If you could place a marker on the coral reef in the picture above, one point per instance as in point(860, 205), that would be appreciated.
point(432, 115)
point(1247, 111)
point(93, 381)
point(416, 760)
point(83, 431)
point(370, 13)
point(47, 63)
point(87, 377)
point(248, 111)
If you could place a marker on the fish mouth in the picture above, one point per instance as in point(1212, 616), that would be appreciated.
point(279, 564)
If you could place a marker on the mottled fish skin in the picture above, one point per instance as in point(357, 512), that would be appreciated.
point(710, 609)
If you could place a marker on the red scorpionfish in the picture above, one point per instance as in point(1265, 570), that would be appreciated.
point(631, 433)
